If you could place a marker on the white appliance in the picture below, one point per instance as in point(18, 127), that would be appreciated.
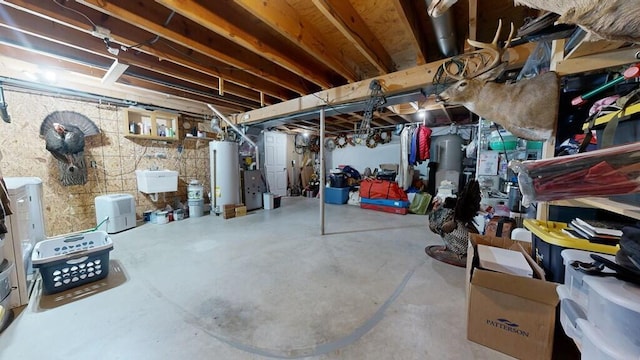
point(120, 209)
point(25, 228)
point(225, 172)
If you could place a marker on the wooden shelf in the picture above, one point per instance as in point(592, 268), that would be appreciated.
point(588, 57)
point(199, 138)
point(602, 203)
point(149, 137)
point(148, 125)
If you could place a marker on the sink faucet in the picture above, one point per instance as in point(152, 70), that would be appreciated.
point(154, 167)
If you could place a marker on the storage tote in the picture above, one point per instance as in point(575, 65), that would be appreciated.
point(69, 261)
point(336, 195)
point(549, 241)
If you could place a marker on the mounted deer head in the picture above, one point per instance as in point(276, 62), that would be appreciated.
point(477, 62)
point(527, 108)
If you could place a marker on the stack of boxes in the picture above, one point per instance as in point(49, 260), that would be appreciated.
point(233, 210)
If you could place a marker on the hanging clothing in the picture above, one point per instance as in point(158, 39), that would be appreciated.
point(405, 173)
point(413, 154)
point(424, 143)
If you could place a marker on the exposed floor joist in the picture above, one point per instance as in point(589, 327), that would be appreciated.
point(284, 19)
point(344, 17)
point(221, 26)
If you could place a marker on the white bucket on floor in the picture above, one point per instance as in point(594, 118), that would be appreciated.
point(196, 207)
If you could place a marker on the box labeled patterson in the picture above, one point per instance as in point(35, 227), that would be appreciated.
point(509, 313)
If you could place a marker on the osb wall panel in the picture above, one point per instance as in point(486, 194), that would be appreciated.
point(71, 208)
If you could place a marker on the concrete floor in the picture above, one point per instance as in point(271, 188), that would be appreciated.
point(262, 286)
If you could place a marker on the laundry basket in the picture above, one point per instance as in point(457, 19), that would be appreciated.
point(72, 260)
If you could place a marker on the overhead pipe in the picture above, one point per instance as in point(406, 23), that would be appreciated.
point(4, 114)
point(234, 127)
point(444, 29)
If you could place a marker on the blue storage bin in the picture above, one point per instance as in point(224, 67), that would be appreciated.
point(336, 195)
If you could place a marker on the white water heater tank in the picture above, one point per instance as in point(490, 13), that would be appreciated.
point(225, 172)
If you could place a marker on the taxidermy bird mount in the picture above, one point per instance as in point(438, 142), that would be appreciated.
point(64, 133)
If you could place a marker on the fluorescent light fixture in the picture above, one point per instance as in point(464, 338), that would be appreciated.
point(115, 71)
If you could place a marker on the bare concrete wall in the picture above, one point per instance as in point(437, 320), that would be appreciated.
point(71, 208)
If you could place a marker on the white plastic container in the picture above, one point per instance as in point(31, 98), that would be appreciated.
point(196, 207)
point(600, 345)
point(573, 279)
point(614, 307)
point(194, 190)
point(570, 312)
point(267, 200)
point(6, 268)
point(162, 217)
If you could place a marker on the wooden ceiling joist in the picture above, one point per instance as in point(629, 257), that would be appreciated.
point(409, 21)
point(345, 18)
point(191, 38)
point(200, 14)
point(133, 35)
point(80, 78)
point(284, 19)
point(24, 27)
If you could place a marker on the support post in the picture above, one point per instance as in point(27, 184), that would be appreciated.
point(322, 171)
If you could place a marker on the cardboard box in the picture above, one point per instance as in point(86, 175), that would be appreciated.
point(241, 211)
point(511, 314)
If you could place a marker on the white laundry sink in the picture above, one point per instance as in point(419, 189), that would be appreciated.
point(157, 181)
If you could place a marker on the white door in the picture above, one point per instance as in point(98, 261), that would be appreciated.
point(275, 162)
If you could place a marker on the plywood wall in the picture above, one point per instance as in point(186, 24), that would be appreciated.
point(71, 208)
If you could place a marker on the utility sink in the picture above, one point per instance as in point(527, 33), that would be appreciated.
point(156, 181)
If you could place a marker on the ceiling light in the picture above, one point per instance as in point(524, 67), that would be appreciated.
point(49, 76)
point(115, 71)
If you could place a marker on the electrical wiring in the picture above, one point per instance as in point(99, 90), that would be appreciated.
point(77, 12)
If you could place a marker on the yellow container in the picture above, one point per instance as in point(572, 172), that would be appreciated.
point(549, 241)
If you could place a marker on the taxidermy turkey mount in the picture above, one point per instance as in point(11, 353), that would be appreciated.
point(64, 133)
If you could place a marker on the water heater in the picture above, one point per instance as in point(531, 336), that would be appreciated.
point(225, 172)
point(449, 158)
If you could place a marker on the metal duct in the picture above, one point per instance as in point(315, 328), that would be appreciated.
point(4, 114)
point(444, 29)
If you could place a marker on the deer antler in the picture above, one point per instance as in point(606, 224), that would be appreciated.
point(477, 62)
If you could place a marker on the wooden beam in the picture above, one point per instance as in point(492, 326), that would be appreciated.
point(473, 24)
point(410, 23)
point(47, 36)
point(393, 83)
point(593, 47)
point(200, 14)
point(191, 39)
point(345, 18)
point(284, 19)
point(597, 61)
point(11, 67)
point(361, 117)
